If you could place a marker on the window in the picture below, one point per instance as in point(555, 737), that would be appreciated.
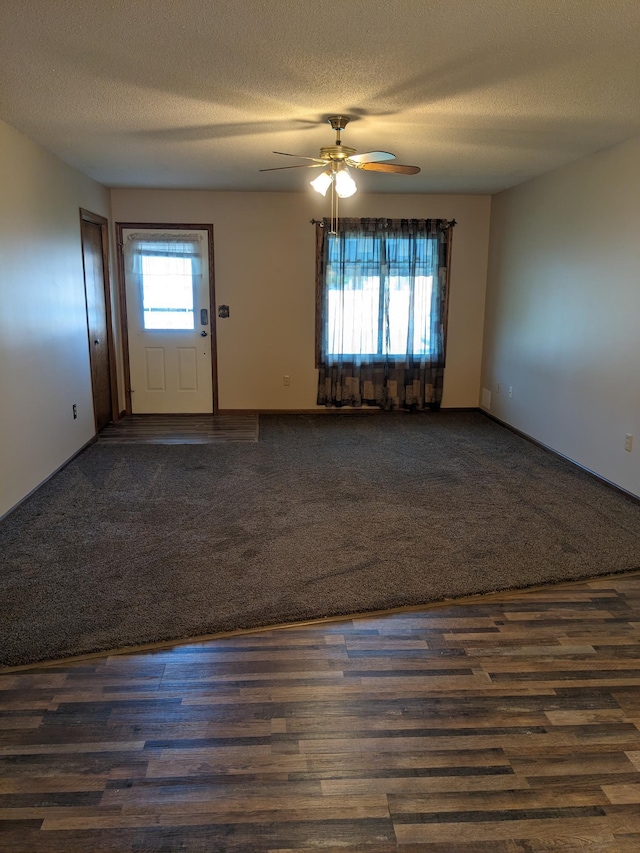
point(378, 293)
point(167, 292)
point(381, 312)
point(168, 267)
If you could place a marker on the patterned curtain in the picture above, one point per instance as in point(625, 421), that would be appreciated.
point(382, 293)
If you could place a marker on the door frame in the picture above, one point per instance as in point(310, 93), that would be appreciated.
point(103, 224)
point(122, 300)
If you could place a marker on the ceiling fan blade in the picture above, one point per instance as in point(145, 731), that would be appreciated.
point(372, 157)
point(299, 166)
point(300, 157)
point(389, 167)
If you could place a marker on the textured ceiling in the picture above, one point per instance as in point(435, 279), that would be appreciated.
point(481, 94)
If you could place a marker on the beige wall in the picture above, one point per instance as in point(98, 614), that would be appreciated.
point(44, 356)
point(562, 307)
point(563, 311)
point(264, 263)
point(264, 268)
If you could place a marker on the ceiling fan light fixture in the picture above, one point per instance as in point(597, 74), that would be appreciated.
point(322, 183)
point(345, 185)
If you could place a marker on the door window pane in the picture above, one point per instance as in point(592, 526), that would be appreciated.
point(167, 292)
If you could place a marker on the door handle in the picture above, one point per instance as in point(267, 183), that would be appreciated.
point(203, 334)
point(97, 341)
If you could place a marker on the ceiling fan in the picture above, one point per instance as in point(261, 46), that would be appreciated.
point(336, 159)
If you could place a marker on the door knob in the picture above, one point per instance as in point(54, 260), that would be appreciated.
point(203, 334)
point(97, 341)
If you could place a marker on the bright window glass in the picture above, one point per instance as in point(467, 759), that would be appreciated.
point(167, 292)
point(378, 315)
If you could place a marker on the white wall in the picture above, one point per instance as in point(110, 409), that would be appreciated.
point(44, 354)
point(265, 271)
point(563, 311)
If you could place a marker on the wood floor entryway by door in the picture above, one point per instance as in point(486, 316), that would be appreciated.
point(181, 429)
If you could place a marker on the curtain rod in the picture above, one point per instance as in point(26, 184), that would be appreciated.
point(450, 224)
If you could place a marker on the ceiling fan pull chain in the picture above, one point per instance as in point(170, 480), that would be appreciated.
point(335, 199)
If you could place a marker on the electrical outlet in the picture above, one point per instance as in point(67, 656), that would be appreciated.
point(510, 392)
point(286, 379)
point(75, 412)
point(628, 442)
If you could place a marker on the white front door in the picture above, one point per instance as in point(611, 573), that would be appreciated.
point(168, 320)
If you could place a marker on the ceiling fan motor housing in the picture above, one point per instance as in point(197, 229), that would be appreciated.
point(336, 152)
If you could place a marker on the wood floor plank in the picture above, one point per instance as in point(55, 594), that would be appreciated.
point(505, 724)
point(496, 829)
point(181, 429)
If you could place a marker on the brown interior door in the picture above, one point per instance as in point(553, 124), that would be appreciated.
point(93, 252)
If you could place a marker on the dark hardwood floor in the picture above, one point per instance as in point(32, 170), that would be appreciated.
point(507, 724)
point(181, 429)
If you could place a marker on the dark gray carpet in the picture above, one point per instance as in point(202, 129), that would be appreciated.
point(325, 515)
